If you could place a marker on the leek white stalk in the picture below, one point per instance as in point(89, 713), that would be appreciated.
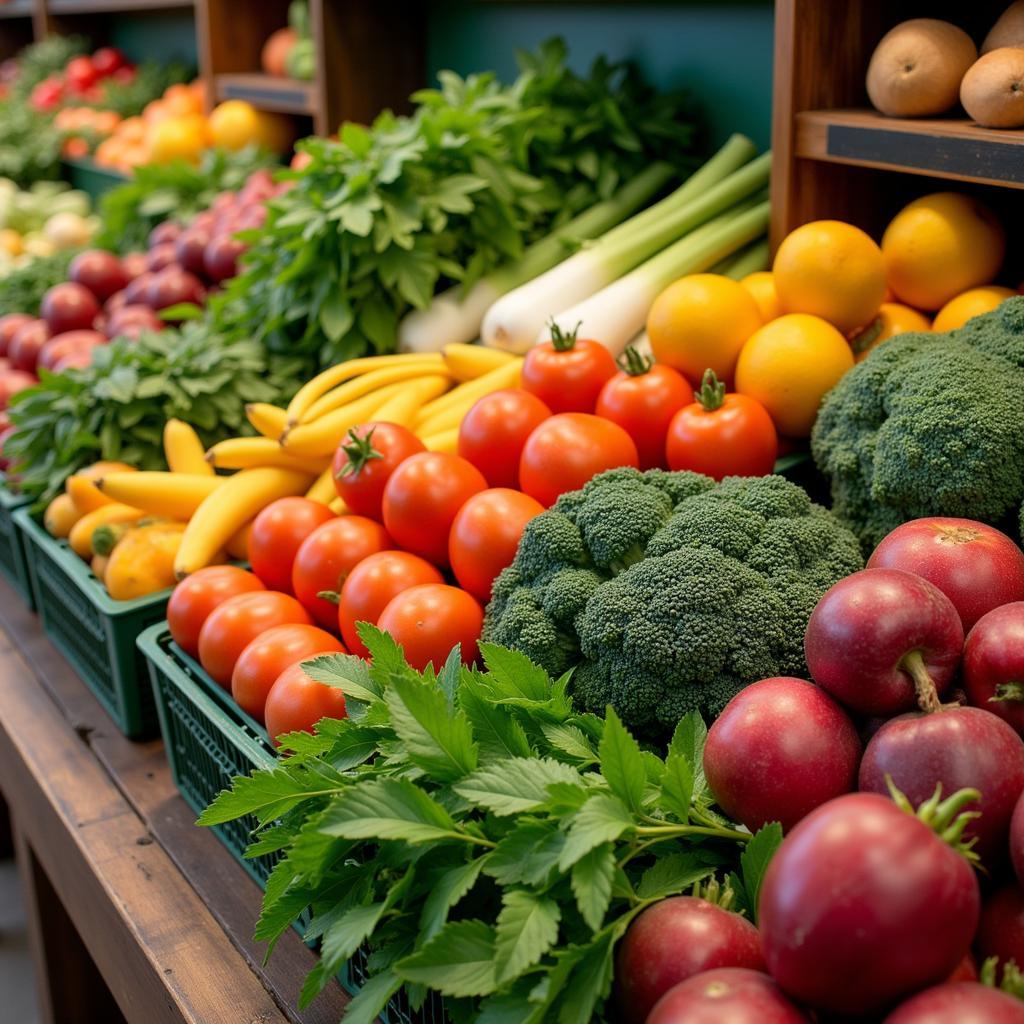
point(616, 314)
point(513, 321)
point(454, 317)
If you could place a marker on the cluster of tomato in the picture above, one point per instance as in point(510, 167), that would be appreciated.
point(82, 79)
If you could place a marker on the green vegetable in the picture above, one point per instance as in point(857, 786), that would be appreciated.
point(301, 60)
point(31, 144)
point(22, 289)
point(929, 425)
point(483, 839)
point(117, 407)
point(40, 60)
point(667, 593)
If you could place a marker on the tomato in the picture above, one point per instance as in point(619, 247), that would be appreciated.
point(327, 556)
point(422, 498)
point(642, 398)
point(266, 656)
point(726, 995)
point(80, 73)
point(567, 373)
point(240, 619)
point(722, 435)
point(365, 460)
point(963, 1002)
point(277, 533)
point(493, 432)
point(296, 703)
point(10, 324)
point(195, 597)
point(372, 584)
point(564, 452)
point(429, 620)
point(108, 59)
point(1001, 930)
point(485, 535)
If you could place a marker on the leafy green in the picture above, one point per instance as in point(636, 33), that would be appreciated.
point(496, 872)
point(31, 144)
point(22, 289)
point(40, 60)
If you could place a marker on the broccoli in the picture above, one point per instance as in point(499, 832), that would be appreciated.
point(666, 592)
point(929, 424)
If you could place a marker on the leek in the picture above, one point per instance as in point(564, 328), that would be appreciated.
point(753, 258)
point(616, 314)
point(513, 321)
point(455, 315)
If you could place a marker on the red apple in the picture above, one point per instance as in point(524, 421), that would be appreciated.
point(134, 263)
point(69, 307)
point(221, 260)
point(26, 343)
point(76, 360)
point(993, 665)
point(13, 381)
point(1017, 840)
point(191, 247)
point(61, 345)
point(162, 255)
point(726, 995)
point(138, 288)
point(173, 285)
point(99, 271)
point(168, 231)
point(9, 326)
point(131, 321)
point(1001, 929)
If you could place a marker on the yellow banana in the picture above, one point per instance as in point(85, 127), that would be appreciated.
point(251, 452)
point(173, 495)
point(338, 507)
point(269, 420)
point(323, 490)
point(225, 511)
point(321, 437)
point(447, 411)
point(443, 441)
point(403, 407)
point(467, 362)
point(335, 375)
point(183, 449)
point(412, 366)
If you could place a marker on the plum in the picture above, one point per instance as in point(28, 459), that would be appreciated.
point(962, 1002)
point(728, 995)
point(69, 307)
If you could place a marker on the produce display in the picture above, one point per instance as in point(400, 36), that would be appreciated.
point(290, 51)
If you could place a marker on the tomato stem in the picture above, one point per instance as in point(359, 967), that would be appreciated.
point(562, 340)
point(946, 818)
point(359, 451)
point(712, 391)
point(635, 363)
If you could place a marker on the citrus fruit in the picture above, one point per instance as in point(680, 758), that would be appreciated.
point(235, 124)
point(182, 99)
point(893, 318)
point(761, 285)
point(182, 137)
point(832, 270)
point(939, 246)
point(971, 303)
point(701, 322)
point(789, 365)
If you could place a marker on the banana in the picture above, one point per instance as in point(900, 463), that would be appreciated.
point(321, 437)
point(183, 449)
point(323, 490)
point(338, 507)
point(448, 410)
point(252, 452)
point(268, 420)
point(335, 375)
point(403, 407)
point(226, 510)
point(467, 362)
point(174, 495)
point(443, 441)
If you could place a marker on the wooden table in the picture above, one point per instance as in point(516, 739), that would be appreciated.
point(136, 914)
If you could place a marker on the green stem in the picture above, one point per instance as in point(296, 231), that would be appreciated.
point(712, 391)
point(755, 257)
point(1004, 691)
point(671, 831)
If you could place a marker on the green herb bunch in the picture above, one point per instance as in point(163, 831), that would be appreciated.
point(22, 289)
point(117, 407)
point(480, 837)
point(40, 60)
point(31, 144)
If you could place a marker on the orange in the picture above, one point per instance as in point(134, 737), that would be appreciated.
point(941, 245)
point(109, 151)
point(972, 303)
point(155, 110)
point(789, 365)
point(177, 138)
point(235, 124)
point(701, 322)
point(761, 285)
point(132, 129)
point(106, 121)
point(832, 270)
point(183, 99)
point(893, 318)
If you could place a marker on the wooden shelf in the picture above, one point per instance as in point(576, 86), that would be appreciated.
point(941, 148)
point(107, 6)
point(17, 9)
point(267, 92)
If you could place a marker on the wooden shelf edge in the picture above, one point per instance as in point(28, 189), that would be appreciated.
point(110, 6)
point(282, 95)
point(956, 149)
point(17, 9)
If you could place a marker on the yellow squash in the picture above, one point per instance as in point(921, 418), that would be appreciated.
point(80, 537)
point(60, 516)
point(142, 562)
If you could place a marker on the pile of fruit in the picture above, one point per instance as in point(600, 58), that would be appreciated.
point(82, 80)
point(290, 52)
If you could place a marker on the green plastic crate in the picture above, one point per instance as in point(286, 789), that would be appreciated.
point(93, 631)
point(13, 560)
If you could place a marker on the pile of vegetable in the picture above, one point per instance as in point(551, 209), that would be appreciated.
point(41, 220)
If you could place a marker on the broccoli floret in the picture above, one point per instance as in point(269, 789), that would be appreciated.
point(722, 580)
point(929, 424)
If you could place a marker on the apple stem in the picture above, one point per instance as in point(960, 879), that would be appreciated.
point(927, 697)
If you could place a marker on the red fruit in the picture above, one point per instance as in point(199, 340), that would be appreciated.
point(125, 75)
point(74, 360)
point(429, 620)
point(364, 461)
point(1001, 931)
point(13, 381)
point(134, 263)
point(131, 321)
point(195, 597)
point(863, 904)
point(99, 271)
point(962, 1002)
point(47, 94)
point(69, 307)
point(167, 231)
point(296, 703)
point(80, 73)
point(960, 748)
point(221, 257)
point(1017, 840)
point(162, 255)
point(61, 345)
point(174, 285)
point(779, 749)
point(9, 326)
point(966, 970)
point(728, 995)
point(993, 664)
point(190, 248)
point(974, 565)
point(277, 533)
point(492, 434)
point(26, 345)
point(567, 373)
point(674, 940)
point(108, 59)
point(137, 291)
point(877, 637)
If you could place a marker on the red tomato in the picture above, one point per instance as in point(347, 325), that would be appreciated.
point(266, 656)
point(485, 536)
point(429, 620)
point(327, 556)
point(567, 373)
point(372, 584)
point(195, 597)
point(564, 452)
point(231, 626)
point(493, 432)
point(80, 73)
point(296, 703)
point(365, 460)
point(642, 398)
point(277, 533)
point(722, 435)
point(422, 499)
point(108, 59)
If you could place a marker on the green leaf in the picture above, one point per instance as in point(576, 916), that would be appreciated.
point(454, 884)
point(373, 996)
point(266, 794)
point(677, 786)
point(622, 764)
point(755, 858)
point(529, 853)
point(589, 983)
point(515, 785)
point(458, 961)
point(688, 741)
point(592, 884)
point(571, 741)
point(344, 672)
point(336, 316)
point(498, 733)
point(527, 928)
point(671, 875)
point(387, 809)
point(514, 675)
point(602, 819)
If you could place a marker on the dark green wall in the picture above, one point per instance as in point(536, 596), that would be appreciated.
point(722, 51)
